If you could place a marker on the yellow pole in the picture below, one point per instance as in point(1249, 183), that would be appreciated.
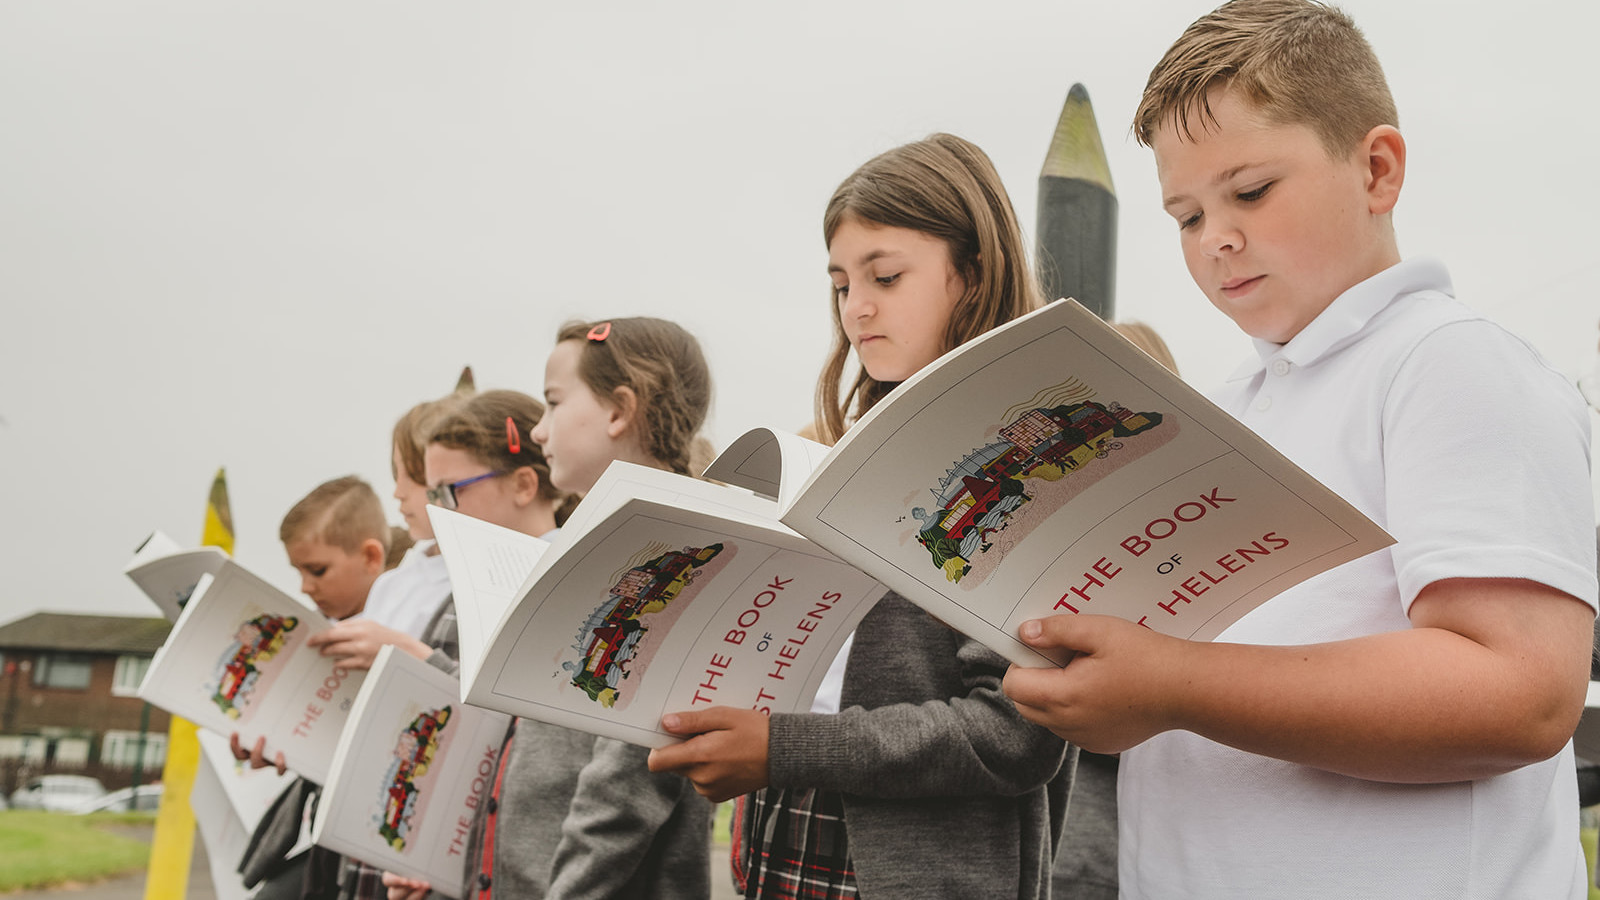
point(173, 846)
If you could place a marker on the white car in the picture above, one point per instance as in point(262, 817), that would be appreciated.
point(58, 793)
point(123, 800)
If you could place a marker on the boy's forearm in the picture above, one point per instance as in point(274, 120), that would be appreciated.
point(1489, 679)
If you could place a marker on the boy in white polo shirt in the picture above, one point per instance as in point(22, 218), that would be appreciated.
point(1397, 727)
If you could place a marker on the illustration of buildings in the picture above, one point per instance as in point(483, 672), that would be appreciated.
point(413, 753)
point(980, 492)
point(609, 637)
point(259, 639)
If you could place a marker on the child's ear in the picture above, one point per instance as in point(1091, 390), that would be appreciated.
point(624, 404)
point(372, 555)
point(1383, 152)
point(524, 485)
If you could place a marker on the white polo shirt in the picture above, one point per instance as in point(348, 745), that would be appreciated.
point(406, 597)
point(1474, 454)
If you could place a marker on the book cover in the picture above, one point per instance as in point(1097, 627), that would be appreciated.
point(237, 660)
point(412, 766)
point(662, 593)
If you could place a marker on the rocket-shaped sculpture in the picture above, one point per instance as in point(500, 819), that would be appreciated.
point(1077, 224)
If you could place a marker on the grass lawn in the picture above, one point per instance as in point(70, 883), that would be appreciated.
point(41, 848)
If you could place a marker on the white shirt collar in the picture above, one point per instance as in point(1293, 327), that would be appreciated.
point(1349, 313)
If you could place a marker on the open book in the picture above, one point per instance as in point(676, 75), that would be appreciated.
point(1047, 467)
point(661, 593)
point(410, 770)
point(237, 660)
point(1052, 467)
point(168, 574)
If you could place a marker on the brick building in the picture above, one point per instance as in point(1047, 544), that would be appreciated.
point(69, 698)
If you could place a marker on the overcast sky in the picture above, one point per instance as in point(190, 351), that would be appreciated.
point(251, 235)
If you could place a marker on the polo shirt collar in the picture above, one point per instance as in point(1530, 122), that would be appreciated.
point(1349, 313)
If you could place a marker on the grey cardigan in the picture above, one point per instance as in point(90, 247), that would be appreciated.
point(948, 791)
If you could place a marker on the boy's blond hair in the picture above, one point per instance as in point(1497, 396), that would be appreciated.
point(343, 513)
point(1297, 62)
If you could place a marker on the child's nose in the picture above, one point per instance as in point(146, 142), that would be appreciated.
point(1220, 236)
point(857, 304)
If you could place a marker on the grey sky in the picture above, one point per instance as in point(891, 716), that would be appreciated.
point(253, 234)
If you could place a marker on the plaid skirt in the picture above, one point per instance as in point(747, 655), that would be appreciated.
point(790, 844)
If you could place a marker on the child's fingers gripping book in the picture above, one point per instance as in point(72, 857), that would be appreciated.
point(237, 661)
point(412, 766)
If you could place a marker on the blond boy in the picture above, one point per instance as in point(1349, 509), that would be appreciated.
point(1397, 727)
point(338, 540)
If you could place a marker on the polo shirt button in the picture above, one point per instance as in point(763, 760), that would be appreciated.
point(494, 806)
point(1263, 403)
point(1280, 367)
point(483, 881)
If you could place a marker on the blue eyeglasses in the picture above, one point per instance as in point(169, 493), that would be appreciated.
point(444, 495)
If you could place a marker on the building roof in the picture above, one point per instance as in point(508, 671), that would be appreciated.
point(85, 634)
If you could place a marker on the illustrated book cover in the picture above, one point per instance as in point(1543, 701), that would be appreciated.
point(661, 593)
point(412, 766)
point(237, 660)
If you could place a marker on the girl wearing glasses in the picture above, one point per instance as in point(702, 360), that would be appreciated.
point(575, 815)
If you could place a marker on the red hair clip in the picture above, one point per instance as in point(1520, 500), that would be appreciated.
point(513, 437)
point(600, 332)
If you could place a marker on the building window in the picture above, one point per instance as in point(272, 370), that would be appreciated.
point(62, 670)
point(129, 675)
point(121, 749)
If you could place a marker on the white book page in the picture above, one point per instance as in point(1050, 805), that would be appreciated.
point(237, 660)
point(167, 573)
point(658, 607)
point(412, 766)
point(1052, 467)
point(770, 462)
point(224, 833)
point(488, 565)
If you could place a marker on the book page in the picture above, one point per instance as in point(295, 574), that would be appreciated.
point(229, 798)
point(167, 573)
point(659, 607)
point(412, 766)
point(772, 463)
point(237, 660)
point(488, 565)
point(1052, 467)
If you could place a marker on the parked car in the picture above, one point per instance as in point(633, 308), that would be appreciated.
point(58, 793)
point(148, 799)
